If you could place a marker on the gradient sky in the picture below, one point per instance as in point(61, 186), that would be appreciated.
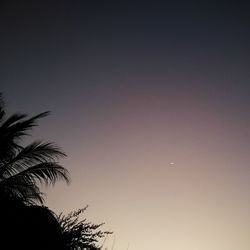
point(132, 88)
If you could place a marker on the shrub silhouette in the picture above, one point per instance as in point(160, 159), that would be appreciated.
point(78, 233)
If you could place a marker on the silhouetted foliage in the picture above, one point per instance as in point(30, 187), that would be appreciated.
point(23, 167)
point(79, 234)
point(29, 227)
point(24, 224)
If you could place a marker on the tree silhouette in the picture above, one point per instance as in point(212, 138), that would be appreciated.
point(22, 168)
point(42, 230)
point(25, 222)
point(78, 234)
point(29, 227)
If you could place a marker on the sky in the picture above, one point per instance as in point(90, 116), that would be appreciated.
point(132, 88)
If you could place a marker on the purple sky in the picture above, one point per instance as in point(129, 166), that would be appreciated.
point(132, 88)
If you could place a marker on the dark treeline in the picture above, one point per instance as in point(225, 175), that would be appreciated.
point(26, 223)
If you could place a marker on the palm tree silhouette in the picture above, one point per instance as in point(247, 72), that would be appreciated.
point(22, 168)
point(25, 224)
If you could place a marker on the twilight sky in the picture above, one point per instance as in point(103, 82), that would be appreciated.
point(133, 87)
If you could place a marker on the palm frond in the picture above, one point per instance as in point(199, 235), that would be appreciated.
point(20, 127)
point(17, 117)
point(2, 114)
point(34, 153)
point(13, 130)
point(45, 172)
point(49, 173)
point(2, 111)
point(21, 189)
point(40, 151)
